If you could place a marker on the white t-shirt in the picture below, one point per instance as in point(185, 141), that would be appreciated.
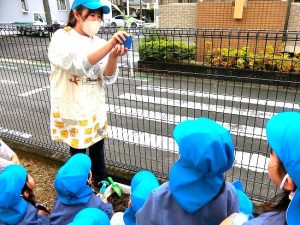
point(6, 154)
point(78, 110)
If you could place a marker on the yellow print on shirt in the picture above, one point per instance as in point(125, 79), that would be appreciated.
point(88, 131)
point(73, 132)
point(87, 140)
point(64, 134)
point(83, 123)
point(74, 143)
point(96, 127)
point(54, 131)
point(94, 118)
point(56, 115)
point(59, 124)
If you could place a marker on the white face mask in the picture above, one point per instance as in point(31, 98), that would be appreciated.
point(283, 181)
point(91, 27)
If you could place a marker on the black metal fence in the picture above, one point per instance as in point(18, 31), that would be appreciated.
point(239, 78)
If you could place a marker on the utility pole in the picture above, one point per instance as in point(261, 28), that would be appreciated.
point(47, 12)
point(141, 16)
point(127, 6)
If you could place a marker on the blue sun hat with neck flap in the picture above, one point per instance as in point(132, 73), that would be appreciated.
point(141, 186)
point(283, 133)
point(206, 153)
point(12, 206)
point(90, 216)
point(92, 4)
point(71, 180)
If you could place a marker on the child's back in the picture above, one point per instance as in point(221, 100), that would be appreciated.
point(73, 192)
point(196, 192)
point(14, 209)
point(168, 212)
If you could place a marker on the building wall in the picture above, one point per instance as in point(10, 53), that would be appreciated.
point(11, 10)
point(294, 20)
point(59, 15)
point(258, 14)
point(294, 25)
point(177, 15)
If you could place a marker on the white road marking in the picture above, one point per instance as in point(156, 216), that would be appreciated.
point(195, 105)
point(28, 93)
point(15, 133)
point(240, 130)
point(8, 82)
point(9, 67)
point(44, 71)
point(253, 162)
point(249, 100)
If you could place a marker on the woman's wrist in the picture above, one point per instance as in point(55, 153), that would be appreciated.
point(112, 42)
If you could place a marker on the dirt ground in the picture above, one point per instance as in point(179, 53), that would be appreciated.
point(44, 170)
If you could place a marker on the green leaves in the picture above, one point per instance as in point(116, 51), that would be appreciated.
point(159, 48)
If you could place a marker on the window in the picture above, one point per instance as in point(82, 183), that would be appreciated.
point(37, 17)
point(24, 5)
point(61, 4)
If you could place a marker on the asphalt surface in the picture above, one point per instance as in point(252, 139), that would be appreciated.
point(143, 109)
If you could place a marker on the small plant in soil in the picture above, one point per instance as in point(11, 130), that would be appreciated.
point(119, 203)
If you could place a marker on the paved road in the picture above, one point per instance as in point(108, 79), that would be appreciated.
point(143, 110)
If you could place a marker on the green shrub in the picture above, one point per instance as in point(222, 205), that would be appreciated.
point(158, 48)
point(243, 58)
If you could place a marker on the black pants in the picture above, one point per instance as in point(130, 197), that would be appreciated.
point(96, 153)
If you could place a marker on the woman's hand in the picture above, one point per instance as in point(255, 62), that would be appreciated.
point(118, 50)
point(119, 38)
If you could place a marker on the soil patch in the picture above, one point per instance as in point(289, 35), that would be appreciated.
point(43, 171)
point(119, 203)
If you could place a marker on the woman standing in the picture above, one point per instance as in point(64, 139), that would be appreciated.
point(81, 65)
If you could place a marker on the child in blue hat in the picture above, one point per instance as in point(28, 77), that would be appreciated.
point(14, 209)
point(196, 192)
point(90, 216)
point(73, 191)
point(142, 184)
point(283, 134)
point(81, 65)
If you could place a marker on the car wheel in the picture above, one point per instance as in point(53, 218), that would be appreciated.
point(113, 24)
point(133, 25)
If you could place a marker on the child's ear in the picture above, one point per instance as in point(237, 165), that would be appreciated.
point(289, 185)
point(25, 194)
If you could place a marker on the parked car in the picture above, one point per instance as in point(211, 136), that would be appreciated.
point(37, 26)
point(119, 21)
